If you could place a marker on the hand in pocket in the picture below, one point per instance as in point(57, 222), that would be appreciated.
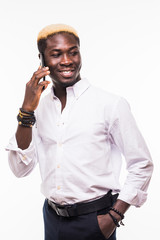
point(106, 225)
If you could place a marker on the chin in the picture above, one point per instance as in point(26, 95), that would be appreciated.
point(65, 82)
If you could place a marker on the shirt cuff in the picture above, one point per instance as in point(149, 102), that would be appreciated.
point(25, 155)
point(132, 196)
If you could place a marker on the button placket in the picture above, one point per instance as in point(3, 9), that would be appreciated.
point(58, 105)
point(61, 126)
point(60, 149)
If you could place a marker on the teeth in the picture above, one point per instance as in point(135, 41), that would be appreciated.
point(66, 71)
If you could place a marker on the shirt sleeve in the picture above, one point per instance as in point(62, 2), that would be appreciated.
point(21, 162)
point(127, 137)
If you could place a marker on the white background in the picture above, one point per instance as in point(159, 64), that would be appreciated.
point(120, 46)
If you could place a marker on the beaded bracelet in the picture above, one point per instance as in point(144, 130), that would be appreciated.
point(119, 213)
point(30, 122)
point(25, 125)
point(26, 119)
point(25, 112)
point(114, 219)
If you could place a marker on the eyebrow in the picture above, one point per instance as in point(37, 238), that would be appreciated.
point(59, 50)
point(74, 47)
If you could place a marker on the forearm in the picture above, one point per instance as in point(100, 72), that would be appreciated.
point(23, 137)
point(117, 212)
point(121, 206)
point(110, 221)
point(33, 92)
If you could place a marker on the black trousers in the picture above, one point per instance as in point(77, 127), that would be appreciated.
point(84, 227)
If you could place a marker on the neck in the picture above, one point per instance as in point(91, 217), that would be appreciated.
point(60, 93)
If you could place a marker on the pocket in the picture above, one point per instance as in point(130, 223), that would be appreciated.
point(101, 236)
point(99, 233)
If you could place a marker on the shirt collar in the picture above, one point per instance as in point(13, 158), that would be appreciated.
point(78, 88)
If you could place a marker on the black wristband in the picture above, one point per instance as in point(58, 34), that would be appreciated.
point(26, 119)
point(23, 111)
point(25, 125)
point(118, 212)
point(114, 220)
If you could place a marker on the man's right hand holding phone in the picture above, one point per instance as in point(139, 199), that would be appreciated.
point(34, 89)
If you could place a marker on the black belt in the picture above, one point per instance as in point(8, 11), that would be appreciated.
point(84, 208)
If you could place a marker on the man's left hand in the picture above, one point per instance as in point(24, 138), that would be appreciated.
point(106, 225)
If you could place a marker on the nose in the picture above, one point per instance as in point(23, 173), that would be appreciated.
point(66, 60)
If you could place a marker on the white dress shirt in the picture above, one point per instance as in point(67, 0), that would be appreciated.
point(79, 149)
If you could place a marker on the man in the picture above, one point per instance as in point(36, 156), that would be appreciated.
point(78, 138)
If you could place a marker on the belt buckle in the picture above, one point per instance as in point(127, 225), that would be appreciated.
point(56, 210)
point(62, 211)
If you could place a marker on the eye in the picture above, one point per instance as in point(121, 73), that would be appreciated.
point(55, 55)
point(74, 53)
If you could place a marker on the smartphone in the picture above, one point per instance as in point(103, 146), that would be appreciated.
point(42, 62)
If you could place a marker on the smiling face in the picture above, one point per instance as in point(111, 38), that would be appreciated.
point(62, 56)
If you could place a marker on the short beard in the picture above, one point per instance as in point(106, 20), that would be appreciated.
point(65, 84)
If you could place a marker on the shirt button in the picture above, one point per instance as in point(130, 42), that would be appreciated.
point(58, 166)
point(60, 144)
point(58, 187)
point(24, 157)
